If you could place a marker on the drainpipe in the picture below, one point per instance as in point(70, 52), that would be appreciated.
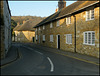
point(74, 33)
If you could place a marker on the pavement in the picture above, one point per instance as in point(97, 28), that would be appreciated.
point(13, 54)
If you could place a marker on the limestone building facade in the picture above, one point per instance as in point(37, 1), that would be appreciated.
point(5, 32)
point(74, 28)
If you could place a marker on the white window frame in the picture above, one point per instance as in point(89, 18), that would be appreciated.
point(51, 25)
point(39, 28)
point(43, 27)
point(87, 38)
point(43, 37)
point(58, 22)
point(90, 15)
point(68, 20)
point(36, 37)
point(51, 38)
point(36, 29)
point(68, 38)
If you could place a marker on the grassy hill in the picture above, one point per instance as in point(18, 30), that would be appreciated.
point(34, 19)
point(15, 19)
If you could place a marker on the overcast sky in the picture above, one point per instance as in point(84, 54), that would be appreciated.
point(34, 8)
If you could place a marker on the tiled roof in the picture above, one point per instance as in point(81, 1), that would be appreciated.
point(76, 6)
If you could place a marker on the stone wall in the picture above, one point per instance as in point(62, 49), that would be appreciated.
point(24, 36)
point(5, 29)
point(81, 26)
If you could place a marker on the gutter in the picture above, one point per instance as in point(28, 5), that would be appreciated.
point(69, 13)
point(74, 33)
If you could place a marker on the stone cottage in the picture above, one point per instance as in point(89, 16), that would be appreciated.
point(24, 33)
point(74, 28)
point(5, 26)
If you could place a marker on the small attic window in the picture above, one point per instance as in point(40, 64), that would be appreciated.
point(58, 23)
point(90, 15)
point(43, 27)
point(39, 28)
point(51, 25)
point(68, 20)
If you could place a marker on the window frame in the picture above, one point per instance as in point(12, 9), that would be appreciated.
point(87, 38)
point(43, 27)
point(90, 15)
point(68, 37)
point(51, 25)
point(39, 28)
point(58, 23)
point(43, 37)
point(36, 37)
point(68, 20)
point(36, 29)
point(51, 38)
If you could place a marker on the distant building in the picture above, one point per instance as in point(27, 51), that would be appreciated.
point(74, 28)
point(5, 20)
point(24, 33)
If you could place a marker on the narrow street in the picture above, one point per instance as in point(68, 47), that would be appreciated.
point(36, 61)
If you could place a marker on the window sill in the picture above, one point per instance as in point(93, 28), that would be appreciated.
point(90, 20)
point(68, 43)
point(51, 41)
point(89, 44)
point(57, 26)
point(68, 24)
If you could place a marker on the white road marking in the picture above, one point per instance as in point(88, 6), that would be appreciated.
point(39, 52)
point(35, 51)
point(52, 66)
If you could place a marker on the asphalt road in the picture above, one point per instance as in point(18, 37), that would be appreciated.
point(36, 61)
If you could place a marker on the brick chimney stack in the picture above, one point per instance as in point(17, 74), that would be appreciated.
point(61, 4)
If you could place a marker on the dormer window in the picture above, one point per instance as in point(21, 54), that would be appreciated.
point(43, 27)
point(90, 15)
point(51, 25)
point(68, 20)
point(58, 23)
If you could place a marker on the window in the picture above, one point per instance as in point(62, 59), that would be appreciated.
point(43, 27)
point(90, 15)
point(68, 20)
point(36, 37)
point(51, 38)
point(89, 37)
point(69, 38)
point(18, 39)
point(58, 23)
point(36, 29)
point(15, 34)
point(51, 25)
point(43, 37)
point(39, 28)
point(19, 33)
